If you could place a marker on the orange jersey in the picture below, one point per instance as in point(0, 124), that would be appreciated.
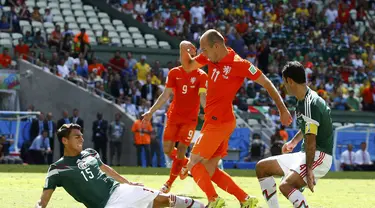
point(186, 87)
point(224, 80)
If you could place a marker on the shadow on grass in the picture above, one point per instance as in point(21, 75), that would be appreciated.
point(165, 171)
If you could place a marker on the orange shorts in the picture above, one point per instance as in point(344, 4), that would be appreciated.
point(179, 132)
point(213, 141)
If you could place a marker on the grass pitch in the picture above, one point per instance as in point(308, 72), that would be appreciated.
point(21, 186)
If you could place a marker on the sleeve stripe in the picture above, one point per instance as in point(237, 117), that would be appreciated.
point(310, 120)
point(52, 172)
point(307, 106)
point(307, 116)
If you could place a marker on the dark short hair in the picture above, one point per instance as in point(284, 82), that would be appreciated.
point(295, 71)
point(64, 130)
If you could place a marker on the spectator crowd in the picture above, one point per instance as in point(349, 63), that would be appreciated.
point(334, 41)
point(39, 146)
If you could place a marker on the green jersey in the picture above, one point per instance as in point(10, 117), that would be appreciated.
point(82, 178)
point(314, 117)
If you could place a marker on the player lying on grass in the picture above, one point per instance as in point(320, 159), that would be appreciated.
point(84, 176)
point(188, 89)
point(314, 160)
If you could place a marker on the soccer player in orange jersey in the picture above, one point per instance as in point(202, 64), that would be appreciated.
point(226, 74)
point(189, 89)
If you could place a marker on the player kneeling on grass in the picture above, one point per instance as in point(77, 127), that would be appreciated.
point(84, 176)
point(314, 160)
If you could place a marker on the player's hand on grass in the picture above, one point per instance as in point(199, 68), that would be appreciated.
point(38, 205)
point(288, 147)
point(147, 116)
point(135, 184)
point(285, 117)
point(310, 180)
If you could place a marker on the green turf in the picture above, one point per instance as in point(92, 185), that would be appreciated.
point(21, 186)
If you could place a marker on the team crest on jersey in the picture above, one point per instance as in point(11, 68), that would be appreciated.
point(85, 162)
point(192, 80)
point(226, 71)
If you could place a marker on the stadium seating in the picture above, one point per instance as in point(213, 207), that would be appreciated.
point(84, 16)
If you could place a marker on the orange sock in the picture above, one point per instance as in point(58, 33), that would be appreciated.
point(175, 170)
point(173, 154)
point(225, 182)
point(202, 179)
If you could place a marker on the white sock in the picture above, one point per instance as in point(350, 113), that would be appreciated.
point(268, 187)
point(297, 199)
point(184, 202)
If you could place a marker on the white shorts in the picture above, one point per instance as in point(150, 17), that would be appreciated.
point(297, 162)
point(196, 136)
point(127, 196)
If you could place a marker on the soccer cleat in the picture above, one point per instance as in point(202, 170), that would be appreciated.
point(302, 189)
point(184, 173)
point(165, 189)
point(196, 204)
point(251, 202)
point(218, 203)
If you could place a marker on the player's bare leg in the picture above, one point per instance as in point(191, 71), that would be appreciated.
point(203, 179)
point(169, 200)
point(170, 150)
point(183, 160)
point(168, 147)
point(265, 170)
point(178, 162)
point(290, 186)
point(226, 183)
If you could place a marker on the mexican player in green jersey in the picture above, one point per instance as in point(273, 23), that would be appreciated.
point(315, 158)
point(84, 176)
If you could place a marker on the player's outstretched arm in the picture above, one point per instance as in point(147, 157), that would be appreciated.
point(285, 117)
point(162, 99)
point(310, 149)
point(289, 146)
point(310, 154)
point(188, 62)
point(203, 84)
point(202, 97)
point(112, 173)
point(44, 199)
